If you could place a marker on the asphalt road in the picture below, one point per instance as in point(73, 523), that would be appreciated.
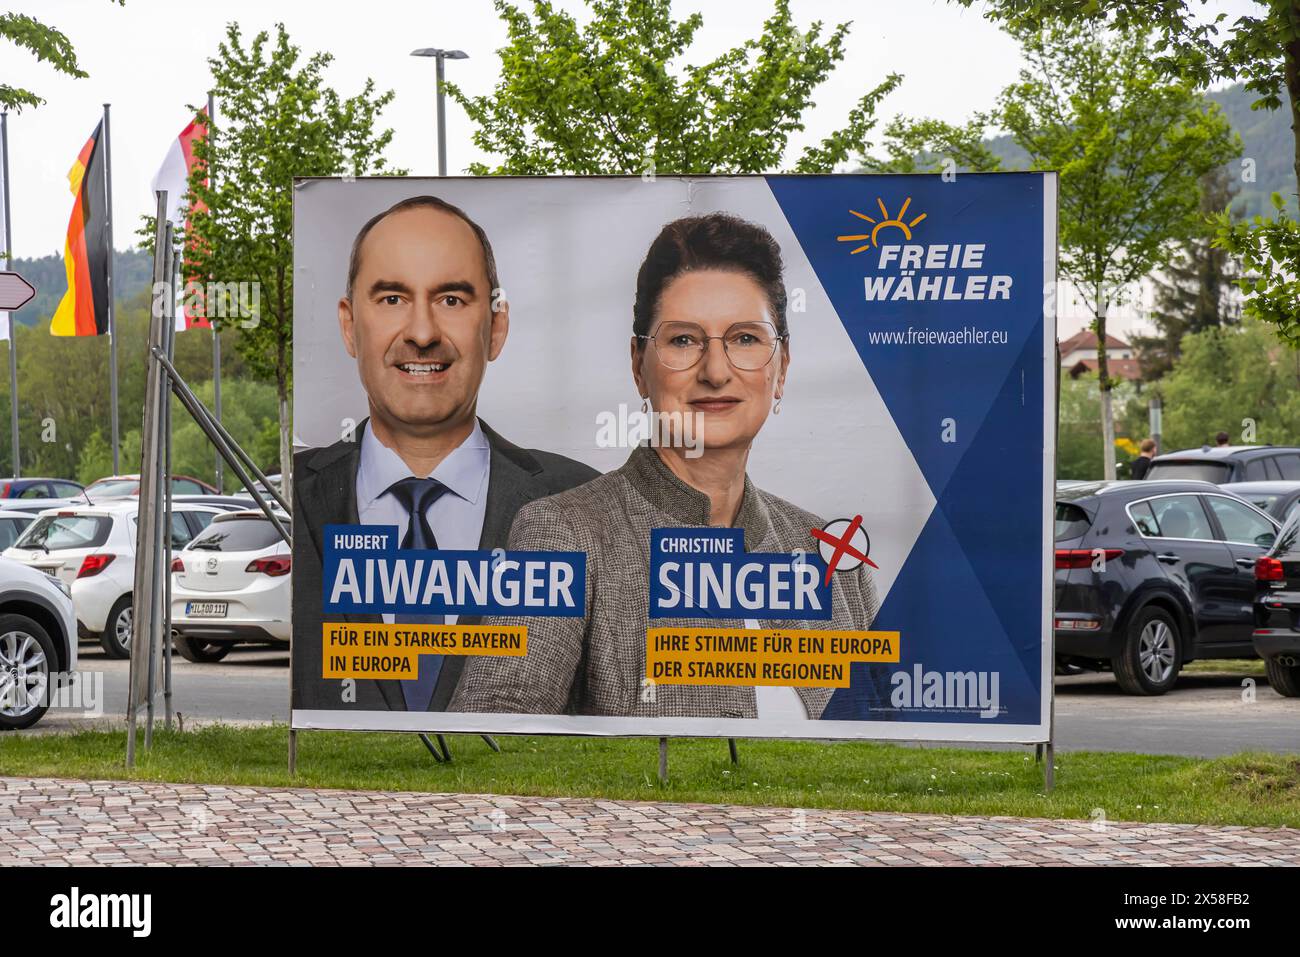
point(1205, 715)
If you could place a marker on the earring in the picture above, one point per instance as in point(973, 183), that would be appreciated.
point(645, 405)
point(776, 406)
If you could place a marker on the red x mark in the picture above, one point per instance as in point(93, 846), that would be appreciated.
point(842, 546)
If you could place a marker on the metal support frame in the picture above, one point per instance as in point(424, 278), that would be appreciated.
point(152, 615)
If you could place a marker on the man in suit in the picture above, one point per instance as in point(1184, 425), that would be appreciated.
point(422, 317)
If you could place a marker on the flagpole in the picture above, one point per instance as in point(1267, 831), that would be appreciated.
point(13, 331)
point(112, 312)
point(216, 335)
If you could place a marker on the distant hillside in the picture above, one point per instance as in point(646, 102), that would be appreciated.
point(1266, 138)
point(1265, 135)
point(132, 271)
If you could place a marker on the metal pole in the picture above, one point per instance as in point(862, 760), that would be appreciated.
point(216, 333)
point(442, 120)
point(167, 484)
point(160, 506)
point(146, 553)
point(663, 760)
point(13, 329)
point(112, 313)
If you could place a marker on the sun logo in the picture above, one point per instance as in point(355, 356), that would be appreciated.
point(878, 225)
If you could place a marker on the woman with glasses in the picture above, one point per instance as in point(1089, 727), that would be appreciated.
point(710, 346)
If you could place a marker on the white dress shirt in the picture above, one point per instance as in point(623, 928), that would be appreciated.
point(456, 517)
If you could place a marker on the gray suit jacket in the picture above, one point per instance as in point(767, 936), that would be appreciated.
point(596, 664)
point(325, 493)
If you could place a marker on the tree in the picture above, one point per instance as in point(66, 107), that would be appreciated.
point(278, 120)
point(607, 98)
point(1195, 290)
point(928, 145)
point(1236, 378)
point(1270, 259)
point(1079, 450)
point(1262, 50)
point(1130, 147)
point(47, 44)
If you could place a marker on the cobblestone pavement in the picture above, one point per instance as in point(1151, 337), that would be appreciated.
point(55, 821)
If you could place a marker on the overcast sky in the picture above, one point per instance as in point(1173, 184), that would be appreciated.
point(149, 59)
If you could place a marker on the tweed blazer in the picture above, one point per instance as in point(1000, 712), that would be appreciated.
point(595, 665)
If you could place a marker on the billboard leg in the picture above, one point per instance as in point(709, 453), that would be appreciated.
point(433, 748)
point(731, 746)
point(446, 751)
point(663, 760)
point(1049, 768)
point(1038, 753)
point(491, 743)
point(293, 752)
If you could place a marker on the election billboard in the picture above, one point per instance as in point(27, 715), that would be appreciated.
point(733, 456)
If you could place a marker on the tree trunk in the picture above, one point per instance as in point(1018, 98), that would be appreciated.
point(1103, 380)
point(1291, 79)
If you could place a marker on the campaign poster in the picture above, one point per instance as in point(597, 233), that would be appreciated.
point(733, 456)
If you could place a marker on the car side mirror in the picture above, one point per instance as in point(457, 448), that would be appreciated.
point(1265, 540)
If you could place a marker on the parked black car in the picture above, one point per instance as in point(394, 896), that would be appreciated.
point(1151, 575)
point(1277, 610)
point(1231, 463)
point(1279, 499)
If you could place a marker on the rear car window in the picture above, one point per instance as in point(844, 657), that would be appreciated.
point(109, 489)
point(1217, 472)
point(236, 535)
point(55, 532)
point(1071, 521)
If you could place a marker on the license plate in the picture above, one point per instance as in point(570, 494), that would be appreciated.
point(206, 609)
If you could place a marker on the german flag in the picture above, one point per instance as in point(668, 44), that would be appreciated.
point(84, 309)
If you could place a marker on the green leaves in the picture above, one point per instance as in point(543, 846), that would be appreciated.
point(1130, 147)
point(1269, 252)
point(610, 96)
point(276, 119)
point(47, 44)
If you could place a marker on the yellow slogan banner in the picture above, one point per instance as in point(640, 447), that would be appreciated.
point(750, 656)
point(378, 650)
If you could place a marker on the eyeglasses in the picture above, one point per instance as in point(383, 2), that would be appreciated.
point(749, 345)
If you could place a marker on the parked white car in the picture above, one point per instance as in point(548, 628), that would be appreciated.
point(92, 549)
point(38, 642)
point(230, 585)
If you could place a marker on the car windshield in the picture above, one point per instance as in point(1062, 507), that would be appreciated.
point(1185, 469)
point(237, 535)
point(110, 488)
point(55, 532)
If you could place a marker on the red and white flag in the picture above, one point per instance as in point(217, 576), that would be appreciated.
point(174, 176)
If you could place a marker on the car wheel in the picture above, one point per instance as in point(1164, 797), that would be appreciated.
point(1284, 679)
point(26, 661)
point(200, 650)
point(1152, 654)
point(116, 636)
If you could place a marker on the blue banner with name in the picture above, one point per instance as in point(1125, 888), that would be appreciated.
point(365, 573)
point(706, 573)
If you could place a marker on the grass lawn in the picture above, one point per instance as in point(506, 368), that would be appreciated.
point(1259, 789)
point(1226, 666)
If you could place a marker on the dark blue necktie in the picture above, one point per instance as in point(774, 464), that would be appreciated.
point(416, 496)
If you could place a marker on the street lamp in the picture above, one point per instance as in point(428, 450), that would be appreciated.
point(439, 56)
